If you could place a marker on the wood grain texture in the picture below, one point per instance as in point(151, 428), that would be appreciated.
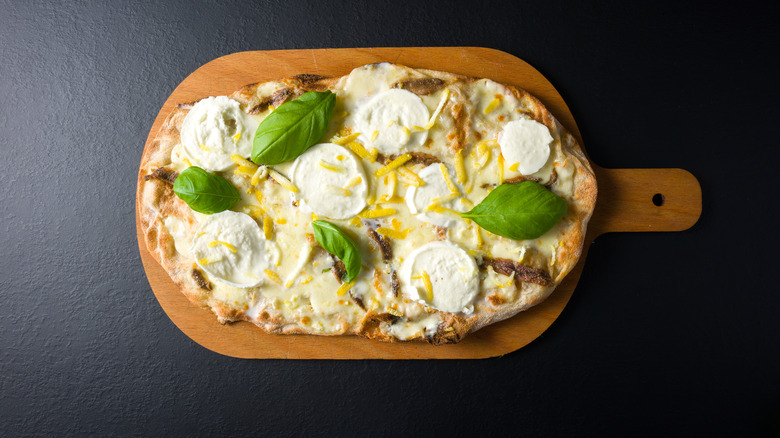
point(625, 204)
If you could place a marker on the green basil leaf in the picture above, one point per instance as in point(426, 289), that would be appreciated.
point(518, 211)
point(293, 127)
point(205, 192)
point(339, 244)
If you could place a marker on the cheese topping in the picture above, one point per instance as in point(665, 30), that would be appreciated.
point(525, 143)
point(452, 274)
point(316, 183)
point(436, 192)
point(385, 121)
point(209, 133)
point(241, 253)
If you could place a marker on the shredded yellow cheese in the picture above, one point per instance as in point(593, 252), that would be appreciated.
point(282, 180)
point(344, 288)
point(273, 276)
point(398, 162)
point(436, 113)
point(331, 167)
point(258, 195)
point(410, 178)
point(358, 149)
point(353, 182)
point(460, 168)
point(214, 243)
point(500, 169)
point(259, 173)
point(338, 190)
point(268, 227)
point(446, 175)
point(377, 212)
point(428, 286)
point(241, 161)
point(344, 140)
point(395, 234)
point(492, 105)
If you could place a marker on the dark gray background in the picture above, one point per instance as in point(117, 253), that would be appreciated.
point(667, 333)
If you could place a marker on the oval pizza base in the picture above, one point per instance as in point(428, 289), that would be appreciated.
point(625, 204)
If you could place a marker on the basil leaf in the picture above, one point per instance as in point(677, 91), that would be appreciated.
point(518, 211)
point(293, 127)
point(205, 192)
point(339, 244)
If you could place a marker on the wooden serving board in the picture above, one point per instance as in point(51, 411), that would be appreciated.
point(625, 203)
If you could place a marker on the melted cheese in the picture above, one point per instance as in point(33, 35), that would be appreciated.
point(388, 119)
point(213, 130)
point(322, 181)
point(525, 145)
point(231, 248)
point(451, 271)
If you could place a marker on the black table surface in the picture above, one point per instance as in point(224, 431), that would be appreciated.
point(666, 333)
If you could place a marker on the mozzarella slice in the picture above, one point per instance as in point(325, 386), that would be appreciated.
point(452, 274)
point(330, 180)
point(526, 142)
point(435, 192)
point(213, 130)
point(231, 247)
point(387, 121)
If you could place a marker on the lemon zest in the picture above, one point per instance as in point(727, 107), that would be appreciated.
point(389, 232)
point(460, 168)
point(513, 167)
point(268, 227)
point(446, 175)
point(282, 180)
point(344, 288)
point(358, 149)
point(331, 167)
point(377, 212)
point(344, 140)
point(428, 286)
point(410, 178)
point(398, 162)
point(241, 161)
point(214, 243)
point(492, 105)
point(273, 276)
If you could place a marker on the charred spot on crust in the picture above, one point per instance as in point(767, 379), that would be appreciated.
point(396, 285)
point(308, 78)
point(370, 326)
point(200, 280)
point(163, 174)
point(522, 272)
point(421, 86)
point(279, 97)
point(383, 243)
point(496, 300)
point(452, 330)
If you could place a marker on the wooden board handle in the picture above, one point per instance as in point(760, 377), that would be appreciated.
point(645, 200)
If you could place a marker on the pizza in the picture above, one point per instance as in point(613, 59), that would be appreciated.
point(392, 203)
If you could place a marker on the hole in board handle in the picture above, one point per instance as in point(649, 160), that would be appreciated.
point(658, 199)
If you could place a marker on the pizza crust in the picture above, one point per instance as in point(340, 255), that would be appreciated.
point(157, 202)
